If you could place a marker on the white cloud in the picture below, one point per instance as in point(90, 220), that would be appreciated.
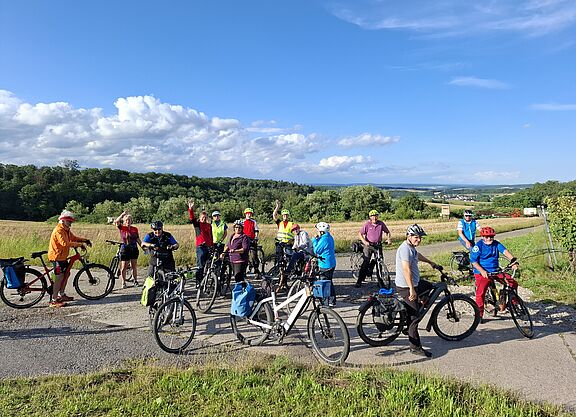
point(498, 176)
point(455, 17)
point(479, 83)
point(553, 107)
point(367, 139)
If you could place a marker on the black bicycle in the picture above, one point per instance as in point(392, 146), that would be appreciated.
point(508, 298)
point(383, 316)
point(377, 267)
point(211, 285)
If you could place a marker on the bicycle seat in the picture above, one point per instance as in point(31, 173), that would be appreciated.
point(38, 254)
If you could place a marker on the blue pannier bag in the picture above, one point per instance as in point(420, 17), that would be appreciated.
point(243, 299)
point(14, 272)
point(322, 288)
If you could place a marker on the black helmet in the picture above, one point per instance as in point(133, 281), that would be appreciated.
point(156, 225)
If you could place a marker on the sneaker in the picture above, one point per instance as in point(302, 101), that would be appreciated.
point(56, 304)
point(64, 298)
point(136, 283)
point(358, 284)
point(420, 352)
point(124, 286)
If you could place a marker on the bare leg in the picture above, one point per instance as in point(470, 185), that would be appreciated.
point(134, 263)
point(123, 267)
point(57, 285)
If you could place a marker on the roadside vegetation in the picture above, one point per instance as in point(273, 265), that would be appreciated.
point(278, 388)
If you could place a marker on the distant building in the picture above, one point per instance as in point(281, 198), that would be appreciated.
point(530, 211)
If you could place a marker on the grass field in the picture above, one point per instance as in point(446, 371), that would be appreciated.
point(23, 238)
point(278, 388)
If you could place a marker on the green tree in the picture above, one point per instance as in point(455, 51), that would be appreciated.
point(105, 209)
point(357, 201)
point(142, 209)
point(174, 210)
point(562, 211)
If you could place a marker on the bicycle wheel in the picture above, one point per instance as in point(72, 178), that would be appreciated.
point(174, 325)
point(520, 315)
point(490, 302)
point(455, 317)
point(329, 336)
point(206, 292)
point(114, 266)
point(355, 263)
point(261, 259)
point(29, 294)
point(250, 332)
point(224, 281)
point(377, 327)
point(296, 286)
point(94, 281)
point(274, 270)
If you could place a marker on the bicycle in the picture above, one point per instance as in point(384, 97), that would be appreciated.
point(210, 286)
point(308, 272)
point(115, 262)
point(326, 329)
point(174, 322)
point(377, 264)
point(256, 259)
point(278, 268)
point(163, 287)
point(383, 316)
point(508, 298)
point(92, 282)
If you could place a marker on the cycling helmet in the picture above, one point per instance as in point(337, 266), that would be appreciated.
point(248, 210)
point(68, 216)
point(285, 211)
point(323, 227)
point(295, 226)
point(415, 230)
point(238, 223)
point(156, 225)
point(468, 213)
point(373, 213)
point(215, 213)
point(487, 231)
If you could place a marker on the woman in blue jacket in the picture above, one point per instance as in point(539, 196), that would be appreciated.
point(323, 245)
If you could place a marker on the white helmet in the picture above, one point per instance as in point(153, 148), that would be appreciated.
point(415, 230)
point(323, 227)
point(68, 216)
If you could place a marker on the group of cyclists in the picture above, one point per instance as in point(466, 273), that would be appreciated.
point(241, 247)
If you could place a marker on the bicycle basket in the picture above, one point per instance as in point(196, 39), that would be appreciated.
point(322, 288)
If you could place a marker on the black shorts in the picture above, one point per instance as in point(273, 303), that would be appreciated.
point(60, 267)
point(129, 252)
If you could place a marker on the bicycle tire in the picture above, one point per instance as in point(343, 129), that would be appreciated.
point(329, 336)
point(174, 325)
point(224, 280)
point(520, 315)
point(251, 334)
point(383, 278)
point(261, 259)
point(456, 312)
point(159, 298)
point(378, 334)
point(114, 266)
point(94, 281)
point(296, 286)
point(274, 270)
point(206, 292)
point(27, 295)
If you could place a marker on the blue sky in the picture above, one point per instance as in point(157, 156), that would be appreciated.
point(375, 91)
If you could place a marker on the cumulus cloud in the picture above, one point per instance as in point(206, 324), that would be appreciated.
point(553, 107)
point(479, 83)
point(367, 139)
point(456, 17)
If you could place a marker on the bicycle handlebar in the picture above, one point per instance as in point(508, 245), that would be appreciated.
point(113, 242)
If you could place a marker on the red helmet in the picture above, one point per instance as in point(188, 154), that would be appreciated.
point(487, 231)
point(295, 226)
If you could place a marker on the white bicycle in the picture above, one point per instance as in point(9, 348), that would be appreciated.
point(326, 329)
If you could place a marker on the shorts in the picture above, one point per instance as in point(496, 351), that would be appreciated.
point(129, 252)
point(60, 267)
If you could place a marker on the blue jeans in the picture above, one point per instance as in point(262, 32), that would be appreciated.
point(296, 256)
point(328, 273)
point(202, 253)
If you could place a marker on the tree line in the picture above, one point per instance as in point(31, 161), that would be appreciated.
point(40, 193)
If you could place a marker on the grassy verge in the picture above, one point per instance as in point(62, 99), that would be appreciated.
point(558, 286)
point(279, 389)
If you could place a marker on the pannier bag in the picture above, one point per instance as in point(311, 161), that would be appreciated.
point(322, 288)
point(148, 292)
point(14, 272)
point(243, 299)
point(357, 246)
point(462, 259)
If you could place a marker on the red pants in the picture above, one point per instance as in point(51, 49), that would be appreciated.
point(482, 285)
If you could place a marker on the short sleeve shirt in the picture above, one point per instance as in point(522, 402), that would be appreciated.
point(407, 253)
point(129, 235)
point(487, 255)
point(374, 231)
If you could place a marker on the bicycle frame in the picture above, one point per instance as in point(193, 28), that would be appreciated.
point(304, 297)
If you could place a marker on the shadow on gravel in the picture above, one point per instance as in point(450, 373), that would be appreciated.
point(43, 332)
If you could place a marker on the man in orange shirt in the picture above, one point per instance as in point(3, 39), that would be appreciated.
point(61, 240)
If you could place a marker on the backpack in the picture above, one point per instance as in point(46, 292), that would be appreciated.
point(243, 299)
point(14, 272)
point(148, 292)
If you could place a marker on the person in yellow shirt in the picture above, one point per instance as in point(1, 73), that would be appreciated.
point(284, 239)
point(61, 240)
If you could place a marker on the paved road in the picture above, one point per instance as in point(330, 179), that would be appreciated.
point(104, 334)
